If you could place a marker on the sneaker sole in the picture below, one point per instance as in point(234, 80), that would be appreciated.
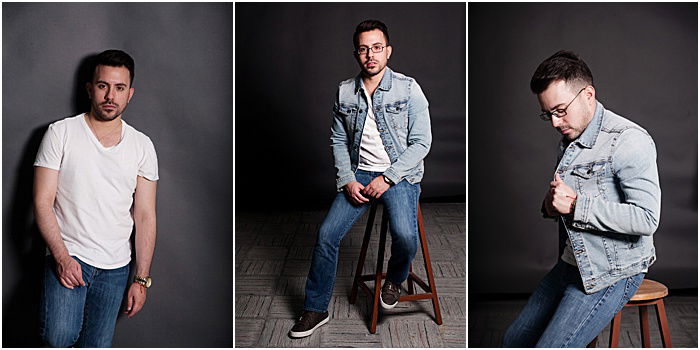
point(310, 331)
point(387, 306)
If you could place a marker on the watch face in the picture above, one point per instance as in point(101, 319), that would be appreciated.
point(148, 282)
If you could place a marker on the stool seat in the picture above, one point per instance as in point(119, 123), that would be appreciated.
point(650, 290)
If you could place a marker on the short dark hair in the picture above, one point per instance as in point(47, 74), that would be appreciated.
point(563, 65)
point(366, 26)
point(115, 58)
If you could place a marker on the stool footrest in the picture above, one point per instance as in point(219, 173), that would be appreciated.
point(427, 295)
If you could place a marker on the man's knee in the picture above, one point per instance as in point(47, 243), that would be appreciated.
point(60, 334)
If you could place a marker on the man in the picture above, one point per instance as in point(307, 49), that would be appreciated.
point(379, 136)
point(95, 177)
point(606, 197)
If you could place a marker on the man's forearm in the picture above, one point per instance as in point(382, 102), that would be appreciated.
point(145, 243)
point(50, 231)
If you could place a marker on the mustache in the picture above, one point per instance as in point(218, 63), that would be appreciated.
point(109, 103)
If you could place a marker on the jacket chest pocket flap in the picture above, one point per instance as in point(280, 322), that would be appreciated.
point(348, 113)
point(588, 176)
point(398, 111)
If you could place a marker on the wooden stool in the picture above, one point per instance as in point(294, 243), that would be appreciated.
point(649, 293)
point(360, 280)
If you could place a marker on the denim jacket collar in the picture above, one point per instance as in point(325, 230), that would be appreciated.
point(590, 135)
point(385, 84)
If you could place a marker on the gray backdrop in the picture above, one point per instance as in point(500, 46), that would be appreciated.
point(183, 83)
point(289, 61)
point(644, 63)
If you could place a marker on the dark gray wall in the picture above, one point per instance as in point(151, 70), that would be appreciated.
point(183, 55)
point(644, 63)
point(289, 61)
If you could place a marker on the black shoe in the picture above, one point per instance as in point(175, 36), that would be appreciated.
point(390, 295)
point(307, 323)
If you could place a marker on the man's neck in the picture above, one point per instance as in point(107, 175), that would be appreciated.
point(102, 125)
point(371, 82)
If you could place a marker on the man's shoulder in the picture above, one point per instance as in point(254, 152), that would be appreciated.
point(138, 135)
point(62, 124)
point(615, 123)
point(402, 77)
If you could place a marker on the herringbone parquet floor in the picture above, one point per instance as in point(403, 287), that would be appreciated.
point(272, 259)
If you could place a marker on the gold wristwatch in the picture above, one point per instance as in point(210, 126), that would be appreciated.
point(144, 281)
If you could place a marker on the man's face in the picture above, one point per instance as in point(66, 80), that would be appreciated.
point(579, 113)
point(372, 63)
point(110, 92)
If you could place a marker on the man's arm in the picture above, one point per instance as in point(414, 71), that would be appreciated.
point(419, 137)
point(145, 221)
point(45, 185)
point(634, 165)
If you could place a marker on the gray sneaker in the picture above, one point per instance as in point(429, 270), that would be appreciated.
point(307, 323)
point(390, 295)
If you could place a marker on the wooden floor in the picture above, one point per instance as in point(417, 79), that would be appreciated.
point(273, 255)
point(488, 321)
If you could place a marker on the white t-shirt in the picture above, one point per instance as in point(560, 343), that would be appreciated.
point(96, 185)
point(373, 156)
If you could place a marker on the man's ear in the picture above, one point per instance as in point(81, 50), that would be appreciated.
point(388, 51)
point(131, 94)
point(88, 88)
point(590, 92)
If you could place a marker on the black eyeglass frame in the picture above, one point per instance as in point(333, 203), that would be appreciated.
point(559, 112)
point(357, 51)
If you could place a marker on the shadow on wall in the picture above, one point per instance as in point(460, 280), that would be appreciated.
point(21, 317)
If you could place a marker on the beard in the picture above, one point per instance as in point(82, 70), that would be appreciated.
point(101, 115)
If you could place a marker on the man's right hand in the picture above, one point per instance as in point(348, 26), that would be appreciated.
point(353, 190)
point(69, 272)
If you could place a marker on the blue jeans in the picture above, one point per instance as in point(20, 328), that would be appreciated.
point(84, 316)
point(559, 314)
point(401, 203)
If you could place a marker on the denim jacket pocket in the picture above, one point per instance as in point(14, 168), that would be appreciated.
point(590, 178)
point(348, 113)
point(398, 113)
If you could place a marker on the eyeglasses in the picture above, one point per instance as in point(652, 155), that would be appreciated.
point(559, 112)
point(376, 49)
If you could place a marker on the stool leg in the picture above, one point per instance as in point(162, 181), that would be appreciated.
point(593, 343)
point(363, 253)
point(429, 268)
point(378, 275)
point(644, 326)
point(615, 330)
point(663, 324)
point(410, 279)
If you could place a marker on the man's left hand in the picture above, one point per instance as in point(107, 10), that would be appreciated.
point(562, 195)
point(377, 187)
point(135, 299)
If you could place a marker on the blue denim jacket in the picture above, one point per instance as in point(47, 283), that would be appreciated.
point(612, 168)
point(403, 121)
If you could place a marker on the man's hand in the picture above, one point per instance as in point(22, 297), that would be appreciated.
point(69, 272)
point(353, 189)
point(562, 195)
point(135, 299)
point(377, 187)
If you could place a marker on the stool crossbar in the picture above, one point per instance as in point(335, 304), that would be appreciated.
point(360, 280)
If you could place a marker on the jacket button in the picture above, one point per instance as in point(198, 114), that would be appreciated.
point(360, 111)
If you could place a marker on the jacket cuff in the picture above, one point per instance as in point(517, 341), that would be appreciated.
point(583, 206)
point(339, 183)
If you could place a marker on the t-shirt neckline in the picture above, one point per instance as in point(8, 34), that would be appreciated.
point(94, 138)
